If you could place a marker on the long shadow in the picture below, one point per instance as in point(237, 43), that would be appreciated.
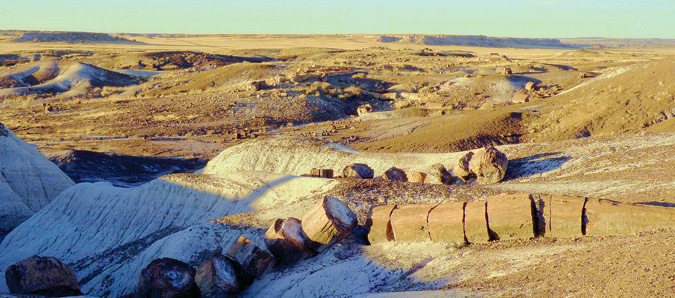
point(121, 170)
point(534, 165)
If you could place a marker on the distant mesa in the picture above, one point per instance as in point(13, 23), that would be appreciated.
point(72, 37)
point(476, 41)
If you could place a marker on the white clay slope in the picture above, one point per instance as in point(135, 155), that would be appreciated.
point(99, 228)
point(28, 180)
point(294, 156)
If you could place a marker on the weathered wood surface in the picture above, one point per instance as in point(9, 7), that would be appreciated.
point(287, 242)
point(416, 177)
point(380, 226)
point(489, 165)
point(329, 221)
point(562, 215)
point(395, 174)
point(253, 260)
point(605, 218)
point(510, 216)
point(358, 170)
point(446, 223)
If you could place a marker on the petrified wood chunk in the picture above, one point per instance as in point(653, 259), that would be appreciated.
point(167, 278)
point(489, 165)
point(42, 275)
point(221, 276)
point(380, 226)
point(510, 216)
point(287, 242)
point(328, 222)
point(395, 174)
point(253, 260)
point(446, 223)
point(358, 170)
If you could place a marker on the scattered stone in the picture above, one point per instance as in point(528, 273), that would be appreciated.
point(221, 276)
point(287, 242)
point(253, 260)
point(46, 276)
point(167, 278)
point(364, 109)
point(520, 97)
point(358, 170)
point(531, 86)
point(395, 174)
point(327, 223)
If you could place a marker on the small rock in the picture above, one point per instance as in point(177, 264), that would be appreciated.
point(395, 174)
point(46, 276)
point(416, 177)
point(167, 278)
point(358, 170)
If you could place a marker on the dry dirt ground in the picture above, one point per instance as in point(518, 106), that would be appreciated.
point(598, 126)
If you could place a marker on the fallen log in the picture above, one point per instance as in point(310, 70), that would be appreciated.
point(511, 216)
point(253, 260)
point(167, 278)
point(561, 215)
point(221, 276)
point(446, 223)
point(46, 276)
point(475, 223)
point(409, 222)
point(380, 224)
point(287, 242)
point(328, 222)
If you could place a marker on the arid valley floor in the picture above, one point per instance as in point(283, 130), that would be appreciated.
point(173, 121)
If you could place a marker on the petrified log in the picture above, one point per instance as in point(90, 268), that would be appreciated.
point(409, 222)
point(446, 223)
point(511, 216)
point(46, 276)
point(167, 278)
point(287, 242)
point(328, 222)
point(489, 165)
point(416, 177)
point(604, 217)
point(438, 175)
point(380, 226)
point(323, 173)
point(253, 260)
point(358, 170)
point(461, 169)
point(221, 276)
point(395, 174)
point(475, 223)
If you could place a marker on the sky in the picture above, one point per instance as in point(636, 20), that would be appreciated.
point(503, 18)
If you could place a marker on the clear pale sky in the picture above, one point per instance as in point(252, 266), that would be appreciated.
point(512, 18)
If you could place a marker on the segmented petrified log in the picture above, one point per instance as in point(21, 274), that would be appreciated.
point(253, 260)
point(395, 174)
point(489, 165)
point(287, 242)
point(328, 222)
point(409, 222)
point(461, 169)
point(561, 215)
point(416, 177)
point(605, 217)
point(380, 224)
point(167, 278)
point(512, 216)
point(358, 170)
point(323, 173)
point(446, 223)
point(221, 276)
point(438, 175)
point(475, 224)
point(46, 276)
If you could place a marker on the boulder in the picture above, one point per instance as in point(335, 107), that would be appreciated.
point(287, 241)
point(221, 276)
point(364, 109)
point(520, 98)
point(438, 175)
point(461, 169)
point(167, 278)
point(395, 174)
point(358, 170)
point(46, 276)
point(489, 165)
point(328, 222)
point(253, 260)
point(416, 177)
point(531, 86)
